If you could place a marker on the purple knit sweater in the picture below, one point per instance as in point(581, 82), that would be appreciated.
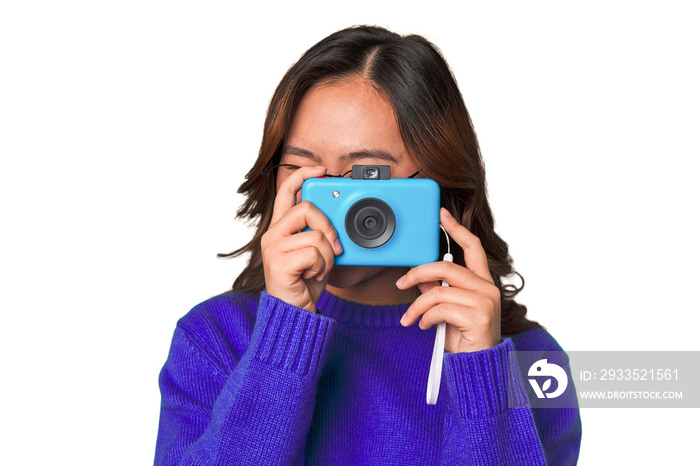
point(253, 380)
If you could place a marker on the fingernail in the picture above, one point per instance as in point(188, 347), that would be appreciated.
point(403, 320)
point(447, 212)
point(319, 166)
point(338, 247)
point(400, 281)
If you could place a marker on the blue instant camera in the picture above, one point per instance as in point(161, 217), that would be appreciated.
point(380, 221)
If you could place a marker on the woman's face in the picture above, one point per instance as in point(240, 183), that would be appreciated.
point(339, 125)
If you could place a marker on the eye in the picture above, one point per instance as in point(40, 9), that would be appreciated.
point(289, 168)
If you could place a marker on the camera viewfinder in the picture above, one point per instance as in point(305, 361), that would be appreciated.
point(371, 172)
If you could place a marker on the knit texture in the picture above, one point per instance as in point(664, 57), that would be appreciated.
point(251, 380)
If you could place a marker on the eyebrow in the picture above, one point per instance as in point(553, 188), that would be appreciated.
point(357, 155)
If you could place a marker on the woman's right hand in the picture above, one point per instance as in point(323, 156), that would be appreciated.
point(297, 263)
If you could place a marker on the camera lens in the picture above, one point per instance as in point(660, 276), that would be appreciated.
point(370, 223)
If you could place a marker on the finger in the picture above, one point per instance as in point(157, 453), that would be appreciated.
point(286, 197)
point(309, 239)
point(307, 215)
point(307, 262)
point(454, 314)
point(425, 287)
point(455, 275)
point(446, 295)
point(474, 254)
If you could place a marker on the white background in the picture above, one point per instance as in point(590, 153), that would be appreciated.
point(127, 127)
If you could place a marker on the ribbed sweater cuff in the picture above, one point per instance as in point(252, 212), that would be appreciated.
point(290, 338)
point(484, 383)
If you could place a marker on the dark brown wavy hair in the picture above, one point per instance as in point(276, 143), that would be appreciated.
point(434, 124)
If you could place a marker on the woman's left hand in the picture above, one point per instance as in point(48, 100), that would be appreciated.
point(471, 305)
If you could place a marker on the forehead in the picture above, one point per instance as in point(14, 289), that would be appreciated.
point(343, 117)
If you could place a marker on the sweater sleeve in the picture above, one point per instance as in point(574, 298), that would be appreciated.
point(491, 421)
point(257, 414)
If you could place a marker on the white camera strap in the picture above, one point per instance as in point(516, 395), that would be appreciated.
point(435, 374)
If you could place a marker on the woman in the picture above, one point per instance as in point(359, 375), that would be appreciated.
point(304, 362)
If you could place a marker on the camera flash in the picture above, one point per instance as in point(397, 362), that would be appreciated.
point(336, 194)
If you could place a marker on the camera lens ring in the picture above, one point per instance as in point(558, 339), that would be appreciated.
point(381, 231)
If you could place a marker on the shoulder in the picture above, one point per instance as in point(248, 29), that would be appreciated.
point(538, 343)
point(535, 339)
point(220, 311)
point(221, 327)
